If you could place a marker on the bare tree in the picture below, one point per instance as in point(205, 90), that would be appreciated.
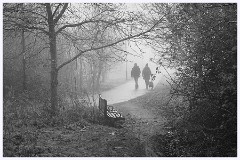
point(51, 20)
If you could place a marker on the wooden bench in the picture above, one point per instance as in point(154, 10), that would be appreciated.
point(111, 115)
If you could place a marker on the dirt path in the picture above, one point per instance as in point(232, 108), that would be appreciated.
point(143, 122)
point(143, 115)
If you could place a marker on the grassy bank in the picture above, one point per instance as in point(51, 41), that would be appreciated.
point(77, 131)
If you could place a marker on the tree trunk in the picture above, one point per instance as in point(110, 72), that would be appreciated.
point(81, 76)
point(104, 73)
point(24, 60)
point(93, 76)
point(54, 72)
point(100, 67)
point(126, 70)
point(53, 53)
point(75, 76)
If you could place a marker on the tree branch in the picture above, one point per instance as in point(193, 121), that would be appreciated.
point(85, 22)
point(56, 9)
point(30, 56)
point(107, 45)
point(61, 13)
point(27, 27)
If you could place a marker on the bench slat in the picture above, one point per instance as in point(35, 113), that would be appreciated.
point(109, 114)
point(109, 111)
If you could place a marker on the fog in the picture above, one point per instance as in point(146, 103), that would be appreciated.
point(140, 54)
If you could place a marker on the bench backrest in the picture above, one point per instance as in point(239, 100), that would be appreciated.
point(103, 106)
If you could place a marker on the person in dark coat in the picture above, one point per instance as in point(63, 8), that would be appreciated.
point(146, 73)
point(135, 73)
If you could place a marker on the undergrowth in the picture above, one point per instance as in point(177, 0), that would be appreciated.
point(195, 133)
point(24, 118)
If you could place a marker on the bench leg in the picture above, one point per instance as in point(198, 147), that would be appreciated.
point(114, 122)
point(111, 122)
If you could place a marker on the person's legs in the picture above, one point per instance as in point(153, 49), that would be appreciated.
point(136, 82)
point(147, 83)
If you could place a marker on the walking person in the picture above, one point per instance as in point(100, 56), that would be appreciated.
point(146, 73)
point(135, 73)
